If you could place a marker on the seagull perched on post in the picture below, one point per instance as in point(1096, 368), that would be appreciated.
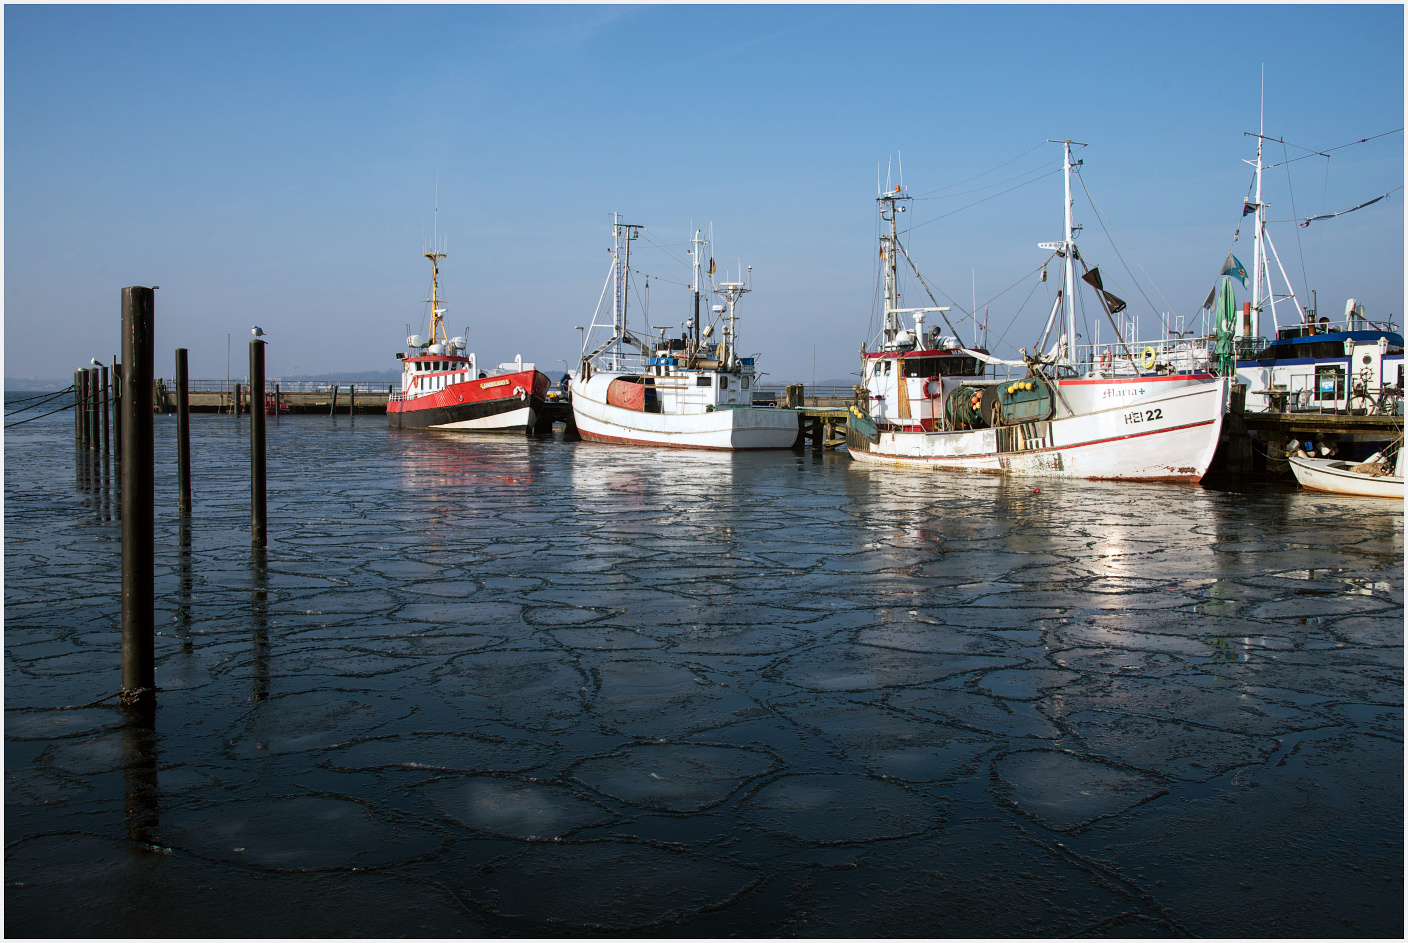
point(94, 361)
point(257, 331)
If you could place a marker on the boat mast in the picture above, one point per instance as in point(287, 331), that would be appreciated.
point(437, 319)
point(732, 291)
point(621, 236)
point(698, 242)
point(1068, 243)
point(889, 258)
point(1259, 268)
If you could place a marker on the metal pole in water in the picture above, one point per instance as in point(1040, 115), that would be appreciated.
point(138, 500)
point(183, 432)
point(235, 409)
point(332, 410)
point(351, 399)
point(258, 524)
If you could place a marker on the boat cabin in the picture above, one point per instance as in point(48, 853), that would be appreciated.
point(908, 387)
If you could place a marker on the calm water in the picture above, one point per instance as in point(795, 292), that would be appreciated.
point(511, 687)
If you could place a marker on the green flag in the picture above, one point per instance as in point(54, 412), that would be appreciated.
point(1226, 329)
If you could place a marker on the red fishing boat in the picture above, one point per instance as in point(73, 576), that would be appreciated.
point(442, 386)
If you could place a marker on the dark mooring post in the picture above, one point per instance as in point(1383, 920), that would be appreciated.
point(183, 433)
point(332, 410)
point(103, 422)
point(77, 410)
point(83, 431)
point(117, 410)
point(351, 399)
point(257, 524)
point(235, 409)
point(138, 499)
point(95, 412)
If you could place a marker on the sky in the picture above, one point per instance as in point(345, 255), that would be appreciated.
point(282, 166)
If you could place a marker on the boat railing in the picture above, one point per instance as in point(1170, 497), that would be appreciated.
point(1326, 326)
point(288, 386)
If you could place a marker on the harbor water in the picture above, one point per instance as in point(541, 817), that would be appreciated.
point(509, 686)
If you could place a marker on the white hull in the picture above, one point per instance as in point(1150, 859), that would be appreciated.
point(1333, 476)
point(1168, 436)
point(728, 428)
point(515, 420)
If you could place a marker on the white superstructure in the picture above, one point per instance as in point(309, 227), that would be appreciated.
point(690, 391)
point(1116, 413)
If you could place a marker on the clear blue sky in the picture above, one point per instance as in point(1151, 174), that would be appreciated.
point(278, 165)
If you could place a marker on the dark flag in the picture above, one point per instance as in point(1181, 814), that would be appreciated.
point(1112, 304)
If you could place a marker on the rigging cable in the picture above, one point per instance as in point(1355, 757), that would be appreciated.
point(984, 173)
point(1100, 217)
point(1300, 248)
point(983, 200)
point(1326, 153)
point(1003, 337)
point(979, 189)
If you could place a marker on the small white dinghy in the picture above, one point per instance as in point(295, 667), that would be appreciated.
point(1339, 477)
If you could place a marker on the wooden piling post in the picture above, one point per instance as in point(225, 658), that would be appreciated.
point(183, 432)
point(257, 505)
point(351, 399)
point(138, 500)
point(117, 411)
point(96, 407)
point(77, 410)
point(278, 401)
point(83, 431)
point(332, 410)
point(103, 424)
point(235, 409)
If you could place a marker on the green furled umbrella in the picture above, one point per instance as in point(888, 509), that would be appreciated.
point(1226, 327)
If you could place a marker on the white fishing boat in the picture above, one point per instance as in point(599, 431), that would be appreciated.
point(1311, 364)
point(1374, 478)
point(1111, 411)
point(689, 391)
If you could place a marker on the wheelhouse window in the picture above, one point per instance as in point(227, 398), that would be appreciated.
point(723, 383)
point(703, 381)
point(952, 366)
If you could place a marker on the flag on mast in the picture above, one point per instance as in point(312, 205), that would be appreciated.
point(1235, 268)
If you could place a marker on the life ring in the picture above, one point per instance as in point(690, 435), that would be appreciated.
point(1106, 359)
point(933, 387)
point(1149, 358)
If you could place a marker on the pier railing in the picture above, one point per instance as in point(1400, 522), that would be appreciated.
point(290, 386)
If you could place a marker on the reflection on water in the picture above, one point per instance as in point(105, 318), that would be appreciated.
point(521, 686)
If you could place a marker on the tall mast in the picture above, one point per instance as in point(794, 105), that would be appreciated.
point(889, 257)
point(698, 242)
point(1070, 243)
point(621, 236)
point(437, 313)
point(1259, 269)
point(732, 291)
